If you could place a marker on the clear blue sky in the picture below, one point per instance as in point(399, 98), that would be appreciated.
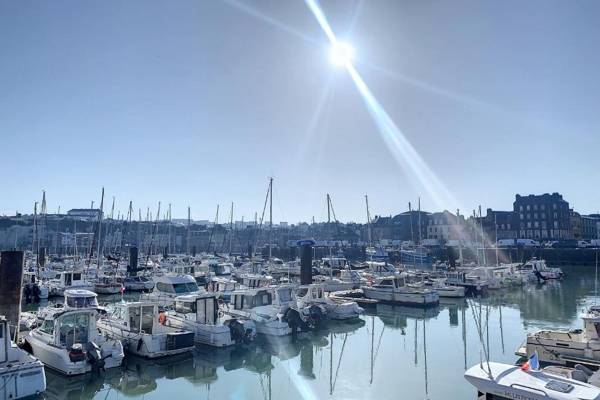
point(199, 102)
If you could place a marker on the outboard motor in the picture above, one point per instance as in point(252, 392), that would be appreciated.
point(315, 317)
point(76, 353)
point(94, 355)
point(236, 329)
point(294, 321)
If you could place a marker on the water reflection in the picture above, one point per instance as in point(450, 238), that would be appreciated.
point(390, 351)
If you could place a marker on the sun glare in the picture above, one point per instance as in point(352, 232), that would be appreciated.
point(341, 54)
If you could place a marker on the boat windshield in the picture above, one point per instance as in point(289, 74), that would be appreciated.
point(185, 287)
point(74, 329)
point(82, 302)
point(285, 295)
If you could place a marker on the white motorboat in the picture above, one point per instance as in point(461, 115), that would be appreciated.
point(21, 374)
point(567, 347)
point(347, 280)
point(380, 268)
point(143, 330)
point(138, 284)
point(254, 281)
point(505, 381)
point(68, 341)
point(68, 280)
point(539, 269)
point(444, 290)
point(200, 314)
point(257, 305)
point(223, 287)
point(107, 285)
point(168, 286)
point(393, 289)
point(313, 295)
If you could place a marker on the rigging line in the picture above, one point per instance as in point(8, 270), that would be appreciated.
point(262, 217)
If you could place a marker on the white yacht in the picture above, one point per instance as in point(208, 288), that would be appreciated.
point(200, 314)
point(380, 268)
point(144, 331)
point(68, 280)
point(393, 289)
point(168, 286)
point(567, 347)
point(21, 374)
point(505, 381)
point(68, 341)
point(257, 305)
point(312, 295)
point(254, 281)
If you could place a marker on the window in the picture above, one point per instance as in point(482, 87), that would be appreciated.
point(555, 224)
point(528, 215)
point(520, 208)
point(82, 302)
point(134, 319)
point(554, 206)
point(535, 207)
point(74, 329)
point(164, 287)
point(535, 215)
point(543, 215)
point(522, 217)
point(529, 224)
point(536, 224)
point(147, 318)
point(48, 327)
point(185, 306)
point(543, 207)
point(528, 207)
point(77, 276)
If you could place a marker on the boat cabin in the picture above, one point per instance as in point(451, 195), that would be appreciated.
point(67, 327)
point(71, 278)
point(378, 267)
point(138, 317)
point(205, 307)
point(175, 285)
point(248, 299)
point(390, 282)
point(80, 298)
point(256, 281)
point(311, 292)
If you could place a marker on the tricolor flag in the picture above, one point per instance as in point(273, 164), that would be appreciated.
point(532, 364)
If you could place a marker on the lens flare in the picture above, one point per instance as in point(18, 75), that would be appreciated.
point(341, 54)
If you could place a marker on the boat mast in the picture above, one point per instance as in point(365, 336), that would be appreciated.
point(420, 238)
point(231, 229)
point(459, 231)
point(496, 230)
point(187, 241)
point(169, 230)
point(270, 216)
point(482, 236)
point(99, 251)
point(368, 220)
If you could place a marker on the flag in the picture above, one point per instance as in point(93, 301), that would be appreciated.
point(532, 364)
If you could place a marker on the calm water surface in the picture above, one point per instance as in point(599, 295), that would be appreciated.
point(391, 353)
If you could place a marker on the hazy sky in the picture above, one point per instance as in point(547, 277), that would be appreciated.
point(199, 102)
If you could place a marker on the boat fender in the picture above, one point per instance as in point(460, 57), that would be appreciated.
point(162, 318)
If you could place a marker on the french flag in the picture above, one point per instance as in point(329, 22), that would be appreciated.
point(532, 364)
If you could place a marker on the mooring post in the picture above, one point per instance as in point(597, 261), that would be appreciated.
point(11, 282)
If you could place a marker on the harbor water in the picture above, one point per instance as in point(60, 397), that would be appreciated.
point(392, 352)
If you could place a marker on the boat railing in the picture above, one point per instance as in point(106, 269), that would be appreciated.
point(529, 389)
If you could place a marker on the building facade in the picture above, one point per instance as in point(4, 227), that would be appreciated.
point(540, 217)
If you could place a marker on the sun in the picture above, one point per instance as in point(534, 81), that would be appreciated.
point(341, 54)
